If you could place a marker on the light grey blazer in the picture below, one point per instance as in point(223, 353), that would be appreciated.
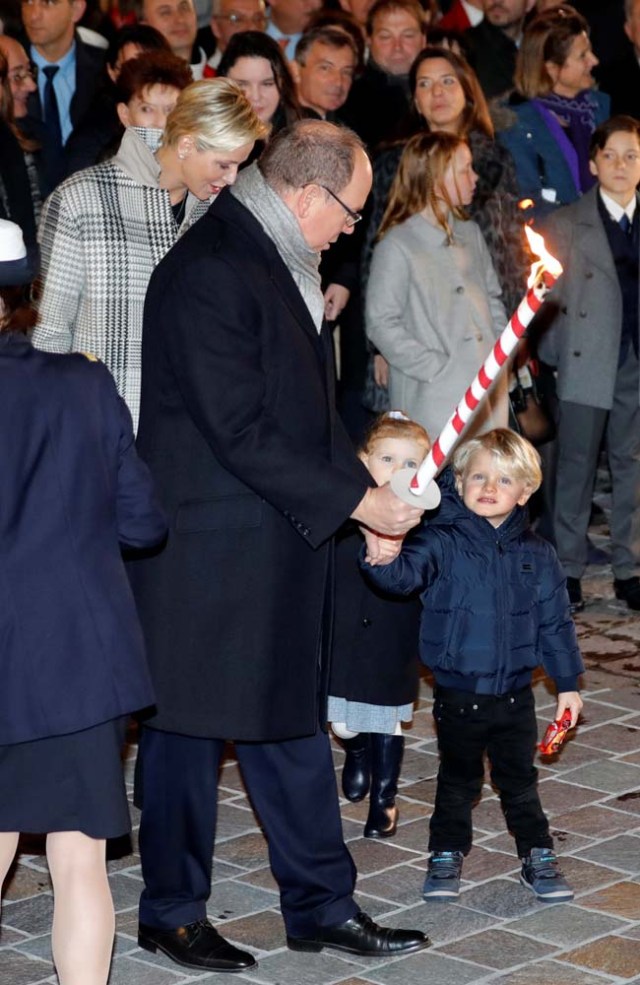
point(583, 340)
point(433, 311)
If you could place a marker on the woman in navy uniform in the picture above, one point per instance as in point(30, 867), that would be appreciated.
point(72, 663)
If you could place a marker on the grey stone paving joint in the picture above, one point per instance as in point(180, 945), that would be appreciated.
point(497, 932)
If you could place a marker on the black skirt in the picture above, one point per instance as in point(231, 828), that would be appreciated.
point(66, 783)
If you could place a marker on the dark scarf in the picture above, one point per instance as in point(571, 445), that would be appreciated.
point(574, 120)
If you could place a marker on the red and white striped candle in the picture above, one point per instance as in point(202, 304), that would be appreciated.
point(544, 274)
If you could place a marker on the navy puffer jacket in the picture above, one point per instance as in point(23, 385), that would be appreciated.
point(495, 603)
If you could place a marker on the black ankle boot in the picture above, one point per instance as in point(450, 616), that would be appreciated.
point(356, 772)
point(386, 759)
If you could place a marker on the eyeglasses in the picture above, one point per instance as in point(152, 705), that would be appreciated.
point(239, 20)
point(41, 3)
point(20, 75)
point(352, 216)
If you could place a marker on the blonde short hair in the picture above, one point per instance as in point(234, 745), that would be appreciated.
point(216, 114)
point(513, 453)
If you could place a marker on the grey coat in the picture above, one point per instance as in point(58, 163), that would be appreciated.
point(583, 339)
point(102, 233)
point(434, 312)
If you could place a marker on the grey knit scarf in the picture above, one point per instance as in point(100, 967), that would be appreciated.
point(280, 225)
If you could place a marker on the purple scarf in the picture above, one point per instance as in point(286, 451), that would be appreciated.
point(572, 122)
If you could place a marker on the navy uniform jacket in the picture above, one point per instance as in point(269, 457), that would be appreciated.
point(72, 489)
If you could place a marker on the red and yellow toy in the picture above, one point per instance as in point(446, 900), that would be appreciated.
point(555, 735)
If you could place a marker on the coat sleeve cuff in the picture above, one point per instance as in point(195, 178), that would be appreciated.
point(567, 684)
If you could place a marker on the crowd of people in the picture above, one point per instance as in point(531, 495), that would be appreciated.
point(250, 259)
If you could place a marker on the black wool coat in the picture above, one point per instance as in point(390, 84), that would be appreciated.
point(375, 637)
point(256, 474)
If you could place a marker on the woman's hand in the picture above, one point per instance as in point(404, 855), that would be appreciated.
point(381, 371)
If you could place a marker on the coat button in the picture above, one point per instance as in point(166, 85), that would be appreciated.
point(582, 314)
point(589, 274)
point(511, 700)
point(366, 622)
point(576, 352)
point(475, 707)
point(460, 290)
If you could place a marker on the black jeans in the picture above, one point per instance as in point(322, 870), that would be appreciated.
point(504, 726)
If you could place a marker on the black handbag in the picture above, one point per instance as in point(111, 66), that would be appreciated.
point(531, 405)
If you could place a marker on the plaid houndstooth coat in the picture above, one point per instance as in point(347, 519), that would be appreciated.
point(102, 233)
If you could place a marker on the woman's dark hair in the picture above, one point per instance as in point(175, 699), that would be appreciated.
point(257, 44)
point(11, 17)
point(475, 115)
point(7, 111)
point(6, 99)
point(149, 69)
point(145, 36)
point(17, 314)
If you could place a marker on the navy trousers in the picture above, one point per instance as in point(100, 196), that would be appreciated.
point(292, 787)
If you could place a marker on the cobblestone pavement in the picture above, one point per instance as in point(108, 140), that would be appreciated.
point(497, 932)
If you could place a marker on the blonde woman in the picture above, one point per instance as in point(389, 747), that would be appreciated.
point(104, 230)
point(433, 302)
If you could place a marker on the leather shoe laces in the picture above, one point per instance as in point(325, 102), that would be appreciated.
point(195, 945)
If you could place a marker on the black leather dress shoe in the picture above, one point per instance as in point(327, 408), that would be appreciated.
point(361, 935)
point(198, 945)
point(628, 589)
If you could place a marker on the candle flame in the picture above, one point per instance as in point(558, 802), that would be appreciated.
point(545, 261)
point(525, 203)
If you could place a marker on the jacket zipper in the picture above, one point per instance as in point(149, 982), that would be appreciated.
point(501, 640)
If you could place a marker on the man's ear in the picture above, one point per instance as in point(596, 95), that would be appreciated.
point(123, 114)
point(295, 71)
point(593, 169)
point(306, 199)
point(78, 8)
point(213, 24)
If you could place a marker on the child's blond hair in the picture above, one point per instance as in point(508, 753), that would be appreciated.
point(394, 424)
point(513, 453)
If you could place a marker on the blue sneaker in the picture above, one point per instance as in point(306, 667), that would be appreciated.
point(541, 874)
point(443, 875)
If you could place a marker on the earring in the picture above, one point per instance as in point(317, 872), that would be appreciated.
point(181, 156)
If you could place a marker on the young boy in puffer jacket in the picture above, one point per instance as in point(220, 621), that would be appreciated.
point(495, 607)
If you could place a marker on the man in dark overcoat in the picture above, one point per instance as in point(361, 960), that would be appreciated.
point(239, 429)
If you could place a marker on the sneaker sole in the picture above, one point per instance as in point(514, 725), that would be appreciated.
point(559, 894)
point(441, 894)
